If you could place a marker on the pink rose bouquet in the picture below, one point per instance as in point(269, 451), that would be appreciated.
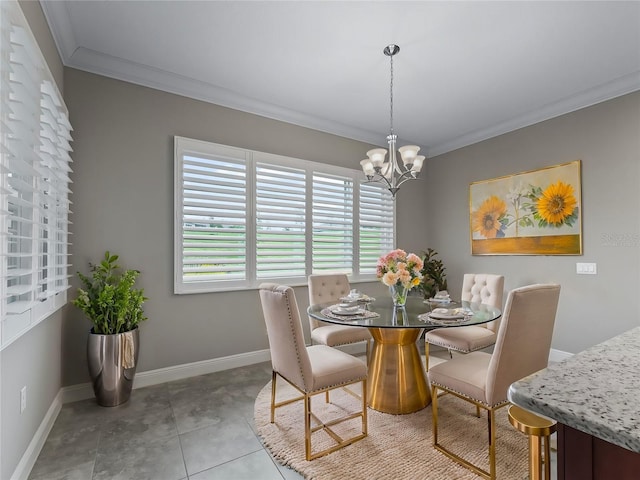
point(397, 268)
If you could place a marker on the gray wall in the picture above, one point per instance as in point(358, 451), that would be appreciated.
point(40, 29)
point(606, 137)
point(123, 202)
point(34, 359)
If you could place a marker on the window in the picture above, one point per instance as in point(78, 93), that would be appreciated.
point(245, 217)
point(34, 161)
point(280, 221)
point(333, 231)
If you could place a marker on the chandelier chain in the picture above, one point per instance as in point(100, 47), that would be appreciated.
point(391, 96)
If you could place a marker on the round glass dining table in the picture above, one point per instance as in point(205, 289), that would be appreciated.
point(397, 381)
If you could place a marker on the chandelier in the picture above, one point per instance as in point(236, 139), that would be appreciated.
point(388, 171)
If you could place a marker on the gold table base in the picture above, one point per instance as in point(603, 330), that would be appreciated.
point(397, 381)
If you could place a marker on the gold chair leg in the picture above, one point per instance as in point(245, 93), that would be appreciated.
point(477, 411)
point(491, 432)
point(322, 425)
point(434, 413)
point(273, 396)
point(307, 426)
point(492, 444)
point(365, 428)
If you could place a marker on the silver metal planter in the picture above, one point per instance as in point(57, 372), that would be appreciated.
point(112, 365)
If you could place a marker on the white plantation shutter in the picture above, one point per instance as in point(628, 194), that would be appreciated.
point(35, 136)
point(54, 205)
point(21, 141)
point(377, 225)
point(280, 221)
point(213, 219)
point(332, 249)
point(244, 217)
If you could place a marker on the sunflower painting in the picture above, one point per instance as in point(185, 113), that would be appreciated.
point(529, 213)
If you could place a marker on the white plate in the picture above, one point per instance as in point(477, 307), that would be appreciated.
point(348, 305)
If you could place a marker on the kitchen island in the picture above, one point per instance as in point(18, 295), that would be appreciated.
point(595, 398)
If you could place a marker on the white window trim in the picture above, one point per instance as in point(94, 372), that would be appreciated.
point(184, 145)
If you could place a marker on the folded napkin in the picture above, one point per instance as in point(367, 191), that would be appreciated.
point(358, 314)
point(445, 314)
point(362, 298)
point(449, 314)
point(434, 319)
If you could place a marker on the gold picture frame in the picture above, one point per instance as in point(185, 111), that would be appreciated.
point(538, 212)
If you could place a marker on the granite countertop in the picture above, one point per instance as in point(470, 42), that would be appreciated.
point(596, 391)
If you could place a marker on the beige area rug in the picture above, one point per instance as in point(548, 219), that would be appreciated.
point(398, 447)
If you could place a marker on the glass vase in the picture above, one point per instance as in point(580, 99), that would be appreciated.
point(398, 295)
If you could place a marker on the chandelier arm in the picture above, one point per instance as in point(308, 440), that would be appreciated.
point(405, 176)
point(390, 187)
point(379, 180)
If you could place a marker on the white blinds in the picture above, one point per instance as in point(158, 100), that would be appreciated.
point(377, 225)
point(280, 221)
point(332, 224)
point(35, 136)
point(214, 216)
point(245, 217)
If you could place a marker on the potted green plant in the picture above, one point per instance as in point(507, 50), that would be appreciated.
point(111, 302)
point(433, 273)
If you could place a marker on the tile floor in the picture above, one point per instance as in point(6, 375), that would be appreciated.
point(200, 428)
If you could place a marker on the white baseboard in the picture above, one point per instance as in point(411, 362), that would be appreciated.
point(84, 391)
point(558, 355)
point(28, 460)
point(178, 372)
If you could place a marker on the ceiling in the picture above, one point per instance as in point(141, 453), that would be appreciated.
point(467, 71)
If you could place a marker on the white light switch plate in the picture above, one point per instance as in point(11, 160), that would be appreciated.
point(586, 269)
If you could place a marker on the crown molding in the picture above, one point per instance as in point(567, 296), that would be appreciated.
point(616, 88)
point(59, 22)
point(144, 75)
point(114, 67)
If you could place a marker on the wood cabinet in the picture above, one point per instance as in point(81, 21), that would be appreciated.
point(584, 457)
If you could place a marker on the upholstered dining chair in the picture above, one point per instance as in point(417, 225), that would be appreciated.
point(522, 348)
point(478, 288)
point(330, 288)
point(310, 370)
